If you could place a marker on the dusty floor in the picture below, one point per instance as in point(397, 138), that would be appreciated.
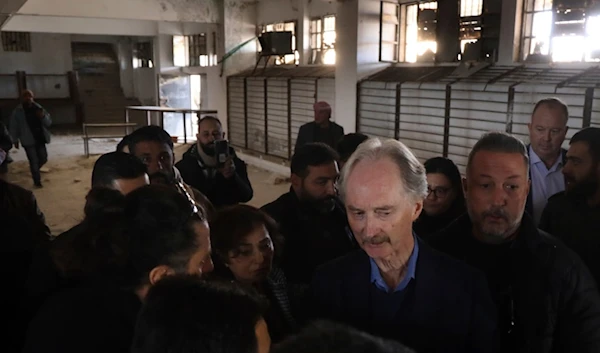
point(68, 181)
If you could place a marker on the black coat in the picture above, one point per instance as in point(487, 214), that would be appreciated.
point(220, 191)
point(307, 133)
point(549, 294)
point(311, 238)
point(573, 221)
point(447, 309)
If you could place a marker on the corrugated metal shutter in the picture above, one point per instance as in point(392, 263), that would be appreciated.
point(422, 118)
point(377, 108)
point(277, 117)
point(302, 101)
point(475, 109)
point(326, 92)
point(255, 93)
point(236, 114)
point(596, 109)
point(527, 95)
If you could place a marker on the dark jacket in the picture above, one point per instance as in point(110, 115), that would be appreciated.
point(577, 224)
point(16, 201)
point(99, 318)
point(540, 285)
point(220, 191)
point(529, 204)
point(311, 238)
point(308, 131)
point(446, 308)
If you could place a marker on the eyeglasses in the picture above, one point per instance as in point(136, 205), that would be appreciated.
point(440, 191)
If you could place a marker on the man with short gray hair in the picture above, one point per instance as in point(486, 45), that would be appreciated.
point(546, 298)
point(396, 286)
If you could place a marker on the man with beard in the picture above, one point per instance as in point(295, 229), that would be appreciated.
point(546, 298)
point(311, 217)
point(224, 184)
point(574, 215)
point(29, 124)
point(154, 147)
point(396, 286)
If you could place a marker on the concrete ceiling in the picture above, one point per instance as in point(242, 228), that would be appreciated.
point(9, 8)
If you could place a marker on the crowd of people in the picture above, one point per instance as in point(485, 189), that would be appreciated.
point(369, 251)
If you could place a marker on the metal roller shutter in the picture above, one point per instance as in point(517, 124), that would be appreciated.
point(596, 109)
point(377, 108)
point(326, 92)
point(475, 108)
point(422, 118)
point(302, 101)
point(236, 112)
point(255, 112)
point(277, 117)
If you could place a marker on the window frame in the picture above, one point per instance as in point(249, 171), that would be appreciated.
point(321, 33)
point(395, 44)
point(20, 42)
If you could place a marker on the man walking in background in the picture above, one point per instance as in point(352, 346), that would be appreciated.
point(322, 129)
point(29, 124)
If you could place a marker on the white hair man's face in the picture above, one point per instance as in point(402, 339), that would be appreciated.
point(380, 211)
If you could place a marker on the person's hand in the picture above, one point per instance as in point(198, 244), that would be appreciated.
point(40, 113)
point(17, 144)
point(228, 170)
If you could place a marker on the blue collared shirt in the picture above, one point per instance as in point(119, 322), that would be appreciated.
point(544, 183)
point(377, 279)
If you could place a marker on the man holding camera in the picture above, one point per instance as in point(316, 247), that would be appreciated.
point(29, 124)
point(212, 167)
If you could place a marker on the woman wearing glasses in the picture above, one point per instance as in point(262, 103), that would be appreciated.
point(245, 247)
point(445, 200)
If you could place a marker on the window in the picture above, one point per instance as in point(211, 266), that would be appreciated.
point(408, 31)
point(322, 40)
point(560, 31)
point(142, 55)
point(389, 40)
point(190, 50)
point(283, 27)
point(16, 41)
point(419, 38)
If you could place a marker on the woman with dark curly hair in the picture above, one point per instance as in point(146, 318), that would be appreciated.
point(245, 245)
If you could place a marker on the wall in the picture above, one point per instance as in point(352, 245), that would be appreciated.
point(156, 10)
point(50, 54)
point(144, 85)
point(272, 11)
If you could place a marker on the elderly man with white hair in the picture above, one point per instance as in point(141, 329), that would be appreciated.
point(396, 286)
point(322, 129)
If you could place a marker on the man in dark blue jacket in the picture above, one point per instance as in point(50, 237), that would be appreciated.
point(396, 286)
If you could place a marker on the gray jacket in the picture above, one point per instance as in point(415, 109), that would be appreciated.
point(19, 129)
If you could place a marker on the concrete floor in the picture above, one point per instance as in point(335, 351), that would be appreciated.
point(68, 181)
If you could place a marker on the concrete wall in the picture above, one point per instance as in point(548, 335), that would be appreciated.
point(271, 11)
point(155, 10)
point(144, 85)
point(50, 54)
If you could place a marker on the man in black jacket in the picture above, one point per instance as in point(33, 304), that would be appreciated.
point(396, 286)
point(321, 130)
point(574, 216)
point(546, 299)
point(223, 185)
point(310, 216)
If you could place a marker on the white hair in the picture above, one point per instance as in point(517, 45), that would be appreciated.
point(412, 172)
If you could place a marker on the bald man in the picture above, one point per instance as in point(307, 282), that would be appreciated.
point(29, 125)
point(322, 129)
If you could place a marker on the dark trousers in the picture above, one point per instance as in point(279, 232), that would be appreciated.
point(37, 156)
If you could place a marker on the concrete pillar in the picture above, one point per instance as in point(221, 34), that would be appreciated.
point(510, 32)
point(346, 69)
point(303, 32)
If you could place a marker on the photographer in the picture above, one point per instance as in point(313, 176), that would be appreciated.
point(212, 167)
